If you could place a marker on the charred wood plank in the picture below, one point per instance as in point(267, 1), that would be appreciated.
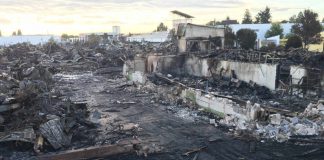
point(93, 152)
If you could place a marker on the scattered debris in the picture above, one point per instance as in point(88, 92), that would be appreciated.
point(53, 131)
point(27, 135)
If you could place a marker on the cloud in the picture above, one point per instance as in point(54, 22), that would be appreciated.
point(4, 20)
point(59, 21)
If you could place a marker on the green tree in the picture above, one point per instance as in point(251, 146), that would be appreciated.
point(323, 20)
point(65, 37)
point(293, 19)
point(0, 34)
point(294, 41)
point(19, 32)
point(274, 30)
point(161, 27)
point(284, 21)
point(229, 38)
point(247, 17)
point(213, 23)
point(93, 40)
point(307, 25)
point(14, 33)
point(263, 16)
point(246, 38)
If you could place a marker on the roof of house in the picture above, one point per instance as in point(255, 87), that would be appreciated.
point(229, 21)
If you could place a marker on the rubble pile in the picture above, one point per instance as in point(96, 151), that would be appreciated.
point(240, 90)
point(38, 112)
point(32, 111)
point(277, 126)
point(142, 47)
point(282, 128)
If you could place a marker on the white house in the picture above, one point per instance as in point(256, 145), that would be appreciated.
point(33, 39)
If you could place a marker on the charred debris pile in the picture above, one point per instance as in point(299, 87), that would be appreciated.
point(35, 115)
point(278, 115)
point(284, 57)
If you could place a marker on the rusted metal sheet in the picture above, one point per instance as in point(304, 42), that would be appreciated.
point(93, 152)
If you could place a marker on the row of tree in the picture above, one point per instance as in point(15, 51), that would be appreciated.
point(264, 16)
point(246, 39)
point(18, 33)
point(306, 27)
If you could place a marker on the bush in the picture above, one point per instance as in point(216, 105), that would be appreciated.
point(246, 38)
point(294, 41)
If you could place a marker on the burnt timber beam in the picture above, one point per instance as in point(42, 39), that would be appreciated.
point(92, 152)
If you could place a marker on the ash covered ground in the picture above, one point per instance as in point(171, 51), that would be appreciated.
point(57, 98)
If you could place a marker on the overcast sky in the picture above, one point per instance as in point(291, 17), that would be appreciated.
point(83, 16)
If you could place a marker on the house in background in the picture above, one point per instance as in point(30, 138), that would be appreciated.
point(114, 35)
point(32, 39)
point(229, 22)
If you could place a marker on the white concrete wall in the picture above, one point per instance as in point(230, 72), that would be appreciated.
point(222, 106)
point(182, 45)
point(193, 31)
point(150, 37)
point(197, 66)
point(297, 73)
point(261, 74)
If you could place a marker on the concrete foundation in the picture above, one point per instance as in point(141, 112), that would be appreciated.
point(222, 106)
